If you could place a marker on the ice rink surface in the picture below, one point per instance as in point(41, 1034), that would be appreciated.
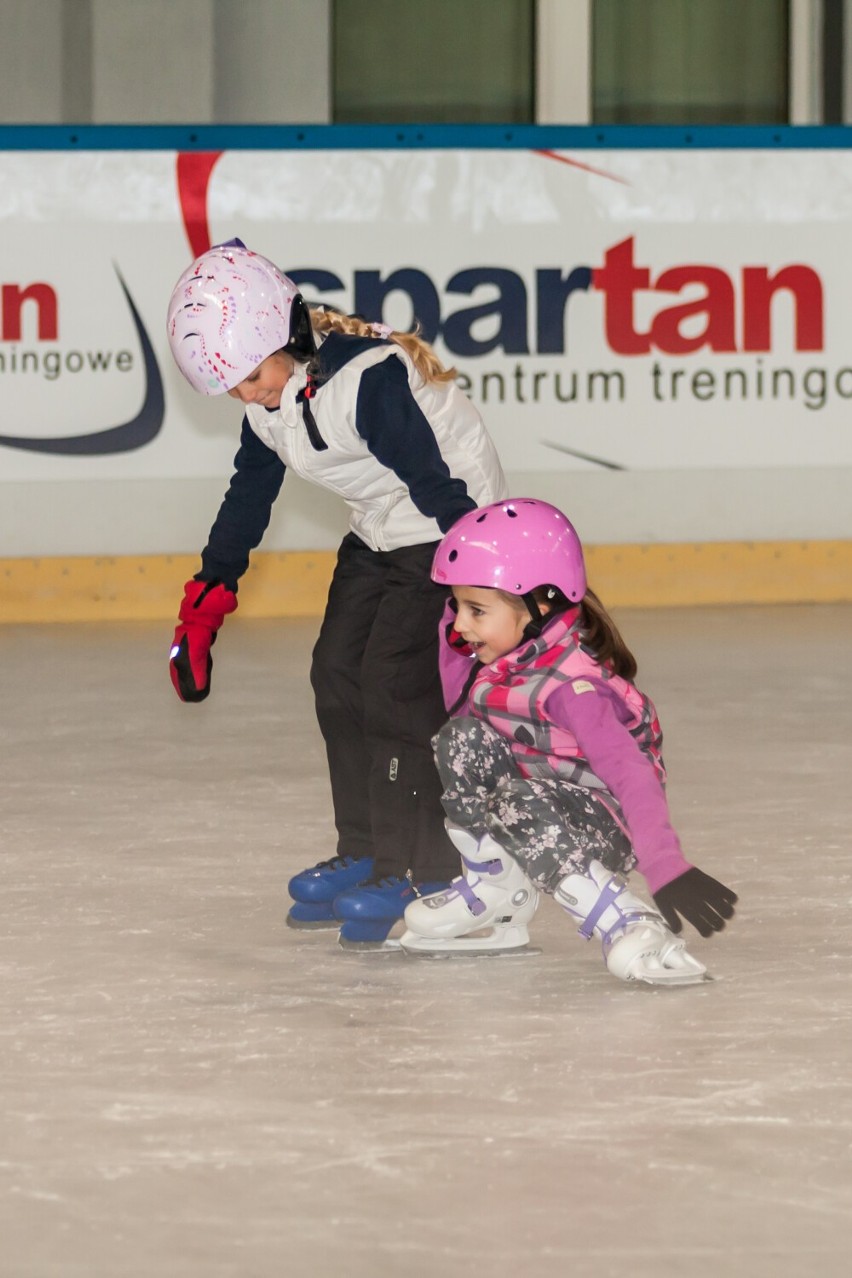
point(191, 1090)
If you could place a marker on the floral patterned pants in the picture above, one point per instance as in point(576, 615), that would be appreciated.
point(551, 827)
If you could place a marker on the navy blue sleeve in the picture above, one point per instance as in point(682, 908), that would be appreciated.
point(398, 435)
point(244, 514)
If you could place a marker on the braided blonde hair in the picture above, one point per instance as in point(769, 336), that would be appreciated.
point(327, 320)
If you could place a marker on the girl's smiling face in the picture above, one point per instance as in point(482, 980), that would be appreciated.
point(265, 385)
point(488, 621)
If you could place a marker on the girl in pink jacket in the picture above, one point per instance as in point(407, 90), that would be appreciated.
point(551, 762)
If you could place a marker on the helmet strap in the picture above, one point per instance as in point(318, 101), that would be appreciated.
point(301, 344)
point(538, 619)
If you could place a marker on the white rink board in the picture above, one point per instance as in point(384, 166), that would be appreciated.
point(577, 380)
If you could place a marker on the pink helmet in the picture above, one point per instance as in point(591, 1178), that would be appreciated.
point(228, 311)
point(514, 545)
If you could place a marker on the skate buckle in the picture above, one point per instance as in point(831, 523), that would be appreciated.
point(609, 895)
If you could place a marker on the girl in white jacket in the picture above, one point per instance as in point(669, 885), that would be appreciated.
point(372, 415)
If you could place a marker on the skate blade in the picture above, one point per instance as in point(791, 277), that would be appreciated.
point(673, 979)
point(313, 925)
point(520, 951)
point(677, 969)
point(481, 946)
point(388, 946)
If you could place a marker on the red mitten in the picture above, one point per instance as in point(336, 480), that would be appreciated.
point(455, 640)
point(204, 607)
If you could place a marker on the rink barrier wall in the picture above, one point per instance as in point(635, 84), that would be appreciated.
point(295, 583)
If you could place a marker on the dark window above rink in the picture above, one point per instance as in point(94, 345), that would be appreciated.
point(433, 61)
point(690, 61)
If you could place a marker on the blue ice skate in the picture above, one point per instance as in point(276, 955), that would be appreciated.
point(367, 913)
point(314, 889)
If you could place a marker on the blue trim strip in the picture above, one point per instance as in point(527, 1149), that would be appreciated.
point(319, 137)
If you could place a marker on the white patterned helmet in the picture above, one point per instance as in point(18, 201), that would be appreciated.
point(228, 311)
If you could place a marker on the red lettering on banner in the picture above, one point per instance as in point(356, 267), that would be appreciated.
point(619, 279)
point(44, 298)
point(718, 304)
point(758, 289)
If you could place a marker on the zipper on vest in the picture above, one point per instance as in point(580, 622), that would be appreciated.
point(468, 684)
point(304, 397)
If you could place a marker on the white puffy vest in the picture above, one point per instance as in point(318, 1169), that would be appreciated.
point(382, 512)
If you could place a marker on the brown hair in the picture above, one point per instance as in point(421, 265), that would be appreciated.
point(601, 634)
point(327, 320)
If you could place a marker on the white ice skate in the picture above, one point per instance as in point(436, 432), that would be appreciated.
point(637, 945)
point(484, 912)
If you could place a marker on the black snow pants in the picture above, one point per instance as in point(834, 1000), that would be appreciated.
point(378, 703)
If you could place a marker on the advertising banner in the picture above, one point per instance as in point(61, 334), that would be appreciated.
point(613, 310)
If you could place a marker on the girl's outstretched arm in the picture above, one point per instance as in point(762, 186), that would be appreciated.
point(588, 711)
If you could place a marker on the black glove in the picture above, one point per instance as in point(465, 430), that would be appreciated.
point(702, 901)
